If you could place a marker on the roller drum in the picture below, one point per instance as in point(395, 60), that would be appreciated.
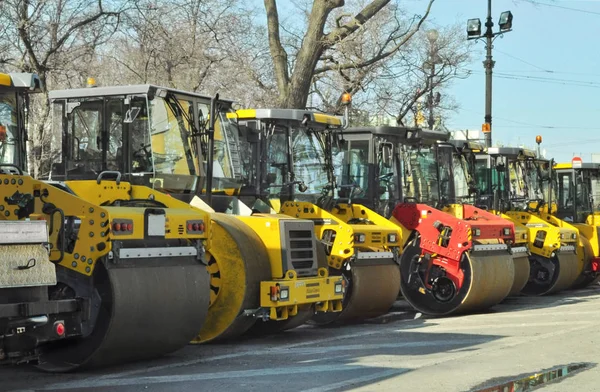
point(586, 277)
point(488, 279)
point(551, 275)
point(145, 312)
point(238, 263)
point(373, 290)
point(521, 274)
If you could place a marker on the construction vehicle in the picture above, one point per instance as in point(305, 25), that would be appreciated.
point(368, 162)
point(29, 317)
point(444, 268)
point(515, 182)
point(576, 187)
point(295, 151)
point(465, 161)
point(82, 284)
point(264, 271)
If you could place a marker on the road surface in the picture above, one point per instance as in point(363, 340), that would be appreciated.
point(402, 351)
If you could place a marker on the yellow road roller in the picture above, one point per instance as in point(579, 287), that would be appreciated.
point(262, 268)
point(515, 182)
point(577, 202)
point(129, 252)
point(296, 153)
point(30, 316)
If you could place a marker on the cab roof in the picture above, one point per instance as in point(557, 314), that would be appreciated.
point(584, 165)
point(137, 89)
point(511, 152)
point(21, 81)
point(288, 116)
point(406, 135)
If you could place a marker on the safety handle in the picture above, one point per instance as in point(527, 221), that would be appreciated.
point(108, 172)
point(19, 170)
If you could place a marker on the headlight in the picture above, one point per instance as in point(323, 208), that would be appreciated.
point(574, 236)
point(392, 237)
point(524, 236)
point(284, 293)
point(359, 238)
point(506, 231)
point(476, 232)
point(562, 236)
point(339, 288)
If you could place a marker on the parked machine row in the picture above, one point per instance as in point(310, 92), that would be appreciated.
point(166, 218)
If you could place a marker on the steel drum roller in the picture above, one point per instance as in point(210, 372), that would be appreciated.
point(585, 254)
point(238, 263)
point(552, 275)
point(488, 278)
point(373, 290)
point(521, 274)
point(145, 312)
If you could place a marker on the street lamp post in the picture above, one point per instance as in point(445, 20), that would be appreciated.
point(474, 32)
point(432, 36)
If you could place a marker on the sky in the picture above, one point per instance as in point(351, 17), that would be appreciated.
point(547, 80)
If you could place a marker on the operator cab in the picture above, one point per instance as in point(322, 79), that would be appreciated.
point(512, 178)
point(14, 103)
point(155, 136)
point(288, 158)
point(371, 168)
point(578, 190)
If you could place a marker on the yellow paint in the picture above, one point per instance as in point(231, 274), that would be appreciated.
point(302, 291)
point(268, 229)
point(5, 80)
point(243, 114)
point(342, 249)
point(535, 224)
point(327, 119)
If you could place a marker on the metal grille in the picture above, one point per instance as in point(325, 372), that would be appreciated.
point(300, 252)
point(181, 229)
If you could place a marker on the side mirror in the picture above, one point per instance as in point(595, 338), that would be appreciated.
point(302, 187)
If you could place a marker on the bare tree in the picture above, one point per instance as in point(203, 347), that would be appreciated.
point(328, 27)
point(50, 38)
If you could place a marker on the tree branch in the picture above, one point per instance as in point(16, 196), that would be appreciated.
point(382, 54)
point(61, 41)
point(278, 53)
point(340, 33)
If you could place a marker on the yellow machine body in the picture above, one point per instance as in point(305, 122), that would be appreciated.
point(544, 238)
point(316, 288)
point(356, 239)
point(162, 285)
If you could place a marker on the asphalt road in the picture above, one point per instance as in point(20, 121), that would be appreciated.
point(398, 352)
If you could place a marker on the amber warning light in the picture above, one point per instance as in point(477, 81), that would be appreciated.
point(346, 99)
